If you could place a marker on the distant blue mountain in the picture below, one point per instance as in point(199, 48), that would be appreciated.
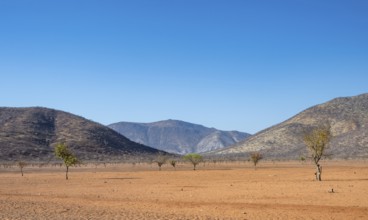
point(179, 137)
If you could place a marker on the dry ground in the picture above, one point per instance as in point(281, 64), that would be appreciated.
point(281, 190)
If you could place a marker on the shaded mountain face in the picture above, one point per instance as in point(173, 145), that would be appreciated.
point(32, 134)
point(178, 136)
point(348, 118)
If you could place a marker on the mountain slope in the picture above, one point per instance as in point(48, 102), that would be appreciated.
point(178, 136)
point(32, 133)
point(349, 125)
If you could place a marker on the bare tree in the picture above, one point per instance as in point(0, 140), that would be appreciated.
point(255, 157)
point(317, 140)
point(21, 165)
point(173, 163)
point(161, 159)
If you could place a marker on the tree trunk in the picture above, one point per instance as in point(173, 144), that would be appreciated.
point(66, 174)
point(194, 166)
point(318, 172)
point(21, 170)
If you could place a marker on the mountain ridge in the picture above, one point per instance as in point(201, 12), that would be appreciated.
point(178, 136)
point(30, 133)
point(349, 121)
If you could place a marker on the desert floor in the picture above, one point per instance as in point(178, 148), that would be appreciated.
point(276, 190)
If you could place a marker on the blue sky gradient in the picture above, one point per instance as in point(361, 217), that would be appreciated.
point(234, 65)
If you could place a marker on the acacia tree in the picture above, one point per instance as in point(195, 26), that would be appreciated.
point(255, 157)
point(302, 159)
point(173, 163)
point(21, 165)
point(195, 159)
point(317, 140)
point(161, 159)
point(62, 152)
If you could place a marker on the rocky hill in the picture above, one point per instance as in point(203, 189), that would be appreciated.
point(32, 133)
point(178, 136)
point(349, 125)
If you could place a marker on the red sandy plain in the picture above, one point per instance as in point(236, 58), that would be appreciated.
point(276, 190)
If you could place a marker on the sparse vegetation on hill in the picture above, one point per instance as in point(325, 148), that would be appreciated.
point(348, 118)
point(30, 134)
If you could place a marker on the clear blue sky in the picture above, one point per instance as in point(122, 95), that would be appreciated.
point(234, 65)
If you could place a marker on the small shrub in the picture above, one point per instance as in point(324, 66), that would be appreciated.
point(173, 163)
point(255, 157)
point(21, 165)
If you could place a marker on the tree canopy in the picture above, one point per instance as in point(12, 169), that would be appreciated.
point(317, 140)
point(255, 157)
point(194, 159)
point(62, 152)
